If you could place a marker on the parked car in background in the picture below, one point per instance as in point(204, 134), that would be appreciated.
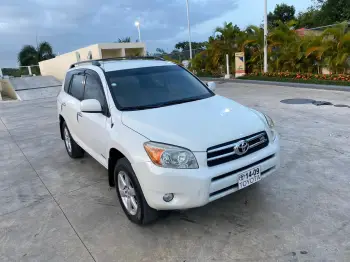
point(168, 141)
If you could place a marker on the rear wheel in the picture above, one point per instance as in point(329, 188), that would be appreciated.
point(73, 149)
point(130, 194)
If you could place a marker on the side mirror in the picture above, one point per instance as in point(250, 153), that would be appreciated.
point(90, 106)
point(211, 86)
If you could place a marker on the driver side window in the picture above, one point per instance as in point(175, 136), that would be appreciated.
point(94, 90)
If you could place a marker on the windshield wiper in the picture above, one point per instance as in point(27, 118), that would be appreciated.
point(131, 108)
point(175, 102)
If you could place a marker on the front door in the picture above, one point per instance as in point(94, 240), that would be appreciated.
point(93, 125)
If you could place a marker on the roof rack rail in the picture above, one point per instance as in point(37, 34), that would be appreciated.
point(96, 62)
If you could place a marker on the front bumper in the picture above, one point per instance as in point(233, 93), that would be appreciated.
point(197, 187)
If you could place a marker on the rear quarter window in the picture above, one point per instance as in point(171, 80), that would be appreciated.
point(67, 80)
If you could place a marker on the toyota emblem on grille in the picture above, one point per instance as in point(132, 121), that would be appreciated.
point(241, 147)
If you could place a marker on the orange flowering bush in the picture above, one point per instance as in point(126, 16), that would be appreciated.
point(302, 76)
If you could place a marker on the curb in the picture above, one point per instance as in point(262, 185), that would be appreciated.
point(273, 83)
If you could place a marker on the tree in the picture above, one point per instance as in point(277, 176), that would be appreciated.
point(160, 51)
point(333, 48)
point(325, 12)
point(227, 39)
point(124, 40)
point(283, 13)
point(309, 19)
point(253, 47)
point(228, 32)
point(288, 50)
point(29, 55)
point(185, 46)
point(334, 11)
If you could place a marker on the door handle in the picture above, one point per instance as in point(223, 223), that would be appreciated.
point(79, 114)
point(62, 105)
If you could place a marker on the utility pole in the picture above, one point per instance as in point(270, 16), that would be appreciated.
point(189, 28)
point(265, 39)
point(137, 24)
point(36, 40)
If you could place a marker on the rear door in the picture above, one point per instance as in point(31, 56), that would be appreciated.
point(71, 107)
point(63, 94)
point(93, 125)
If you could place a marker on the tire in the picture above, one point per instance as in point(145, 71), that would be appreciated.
point(73, 149)
point(142, 214)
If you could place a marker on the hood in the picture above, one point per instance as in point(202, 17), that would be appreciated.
point(195, 125)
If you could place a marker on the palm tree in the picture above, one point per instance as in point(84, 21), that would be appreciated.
point(333, 48)
point(285, 47)
point(124, 40)
point(29, 55)
point(253, 47)
point(226, 40)
point(288, 49)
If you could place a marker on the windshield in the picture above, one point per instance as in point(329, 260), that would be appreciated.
point(151, 87)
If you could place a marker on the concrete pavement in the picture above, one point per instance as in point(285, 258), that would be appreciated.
point(53, 208)
point(36, 87)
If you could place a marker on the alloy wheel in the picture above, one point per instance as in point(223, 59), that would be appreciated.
point(67, 140)
point(127, 193)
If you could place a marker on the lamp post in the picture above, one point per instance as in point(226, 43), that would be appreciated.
point(189, 28)
point(137, 24)
point(265, 39)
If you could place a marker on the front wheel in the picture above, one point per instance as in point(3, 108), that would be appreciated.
point(73, 149)
point(130, 194)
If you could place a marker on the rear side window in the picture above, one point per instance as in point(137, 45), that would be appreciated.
point(77, 87)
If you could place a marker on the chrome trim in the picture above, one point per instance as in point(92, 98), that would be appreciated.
point(234, 144)
point(259, 143)
point(221, 148)
point(254, 137)
point(221, 156)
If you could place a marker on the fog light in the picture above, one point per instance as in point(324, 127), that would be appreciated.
point(168, 197)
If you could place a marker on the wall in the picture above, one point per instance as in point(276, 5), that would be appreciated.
point(127, 49)
point(58, 66)
point(110, 53)
point(121, 45)
point(134, 51)
point(7, 89)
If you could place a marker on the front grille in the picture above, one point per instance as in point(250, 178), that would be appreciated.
point(223, 153)
point(243, 168)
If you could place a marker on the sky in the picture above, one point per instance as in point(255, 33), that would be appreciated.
point(71, 24)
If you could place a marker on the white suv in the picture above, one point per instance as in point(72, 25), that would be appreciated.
point(167, 140)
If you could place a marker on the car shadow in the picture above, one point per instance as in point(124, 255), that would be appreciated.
point(236, 210)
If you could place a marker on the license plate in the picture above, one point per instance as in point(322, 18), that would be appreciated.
point(249, 177)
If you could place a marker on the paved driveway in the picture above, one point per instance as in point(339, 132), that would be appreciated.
point(53, 208)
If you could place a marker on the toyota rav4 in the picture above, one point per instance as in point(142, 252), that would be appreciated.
point(167, 140)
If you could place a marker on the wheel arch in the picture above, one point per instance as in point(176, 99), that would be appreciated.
point(113, 156)
point(61, 119)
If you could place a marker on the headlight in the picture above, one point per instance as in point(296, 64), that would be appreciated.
point(269, 121)
point(271, 124)
point(170, 156)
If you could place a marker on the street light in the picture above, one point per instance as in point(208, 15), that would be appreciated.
point(189, 28)
point(137, 24)
point(265, 39)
